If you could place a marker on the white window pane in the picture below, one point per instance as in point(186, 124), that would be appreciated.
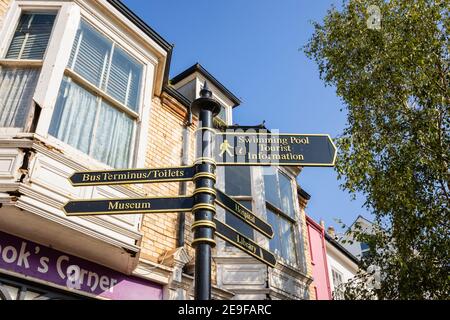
point(16, 93)
point(274, 243)
point(74, 116)
point(271, 188)
point(238, 181)
point(222, 114)
point(124, 79)
point(113, 137)
point(90, 54)
point(31, 37)
point(287, 240)
point(287, 201)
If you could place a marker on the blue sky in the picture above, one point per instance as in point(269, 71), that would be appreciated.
point(254, 48)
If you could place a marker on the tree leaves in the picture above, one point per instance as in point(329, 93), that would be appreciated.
point(395, 149)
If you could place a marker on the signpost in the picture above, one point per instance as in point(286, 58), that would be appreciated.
point(245, 244)
point(259, 149)
point(243, 213)
point(111, 177)
point(128, 206)
point(214, 148)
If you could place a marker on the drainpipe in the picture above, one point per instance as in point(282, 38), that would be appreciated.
point(183, 187)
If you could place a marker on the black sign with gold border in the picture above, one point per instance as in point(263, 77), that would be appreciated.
point(128, 206)
point(113, 177)
point(266, 149)
point(243, 213)
point(230, 235)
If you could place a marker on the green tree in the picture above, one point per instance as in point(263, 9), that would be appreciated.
point(389, 62)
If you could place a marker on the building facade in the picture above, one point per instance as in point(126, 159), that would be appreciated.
point(332, 264)
point(320, 286)
point(84, 85)
point(342, 266)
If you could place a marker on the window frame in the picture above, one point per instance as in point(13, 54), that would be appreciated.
point(104, 96)
point(239, 198)
point(11, 22)
point(55, 61)
point(293, 221)
point(336, 289)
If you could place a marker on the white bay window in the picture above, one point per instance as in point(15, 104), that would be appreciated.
point(98, 102)
point(20, 68)
point(280, 214)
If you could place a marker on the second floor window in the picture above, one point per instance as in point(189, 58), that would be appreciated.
point(338, 293)
point(238, 186)
point(280, 214)
point(17, 83)
point(98, 102)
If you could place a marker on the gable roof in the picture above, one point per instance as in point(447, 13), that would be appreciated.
point(211, 79)
point(338, 246)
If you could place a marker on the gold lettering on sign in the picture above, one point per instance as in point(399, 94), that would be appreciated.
point(244, 213)
point(87, 177)
point(275, 156)
point(299, 140)
point(116, 205)
point(245, 244)
point(143, 175)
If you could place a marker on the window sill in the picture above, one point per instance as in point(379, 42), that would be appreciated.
point(21, 63)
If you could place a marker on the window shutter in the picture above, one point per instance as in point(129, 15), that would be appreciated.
point(90, 54)
point(31, 37)
point(124, 80)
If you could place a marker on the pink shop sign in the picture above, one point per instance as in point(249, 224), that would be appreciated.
point(30, 259)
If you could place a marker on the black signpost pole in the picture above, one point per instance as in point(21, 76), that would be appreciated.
point(204, 194)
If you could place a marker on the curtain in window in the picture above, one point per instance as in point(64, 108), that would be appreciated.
point(74, 116)
point(94, 127)
point(16, 93)
point(113, 137)
point(31, 37)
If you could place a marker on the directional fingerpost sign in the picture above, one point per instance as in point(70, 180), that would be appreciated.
point(242, 242)
point(112, 177)
point(128, 206)
point(215, 148)
point(309, 150)
point(243, 213)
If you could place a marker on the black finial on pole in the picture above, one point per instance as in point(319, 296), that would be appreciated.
point(205, 92)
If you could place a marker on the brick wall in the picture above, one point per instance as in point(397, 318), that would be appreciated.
point(165, 142)
point(163, 150)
